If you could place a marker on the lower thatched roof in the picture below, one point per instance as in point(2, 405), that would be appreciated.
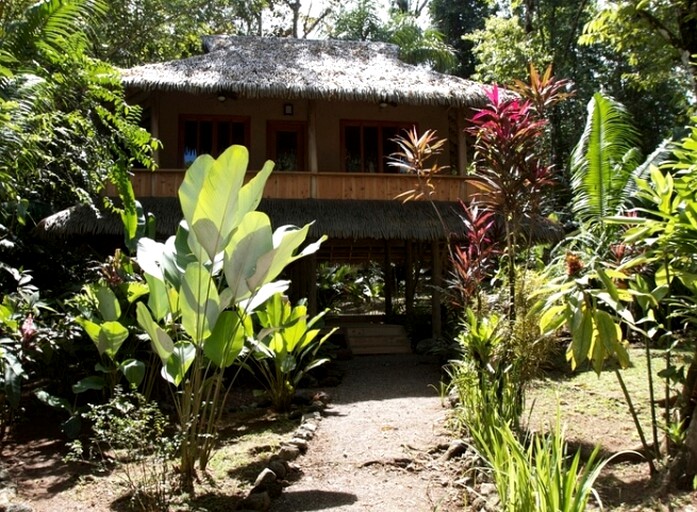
point(339, 219)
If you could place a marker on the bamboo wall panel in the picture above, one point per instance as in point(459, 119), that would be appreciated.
point(303, 185)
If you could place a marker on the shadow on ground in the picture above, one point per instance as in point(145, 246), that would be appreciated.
point(298, 501)
point(388, 376)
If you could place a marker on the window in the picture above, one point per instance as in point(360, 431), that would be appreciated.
point(286, 144)
point(210, 134)
point(366, 145)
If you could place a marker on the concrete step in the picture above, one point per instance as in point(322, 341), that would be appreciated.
point(377, 339)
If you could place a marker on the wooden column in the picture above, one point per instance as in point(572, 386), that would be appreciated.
point(409, 281)
point(436, 282)
point(312, 144)
point(312, 284)
point(389, 280)
point(155, 124)
point(461, 143)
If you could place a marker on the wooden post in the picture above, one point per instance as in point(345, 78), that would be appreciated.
point(409, 288)
point(436, 282)
point(312, 144)
point(389, 280)
point(155, 124)
point(461, 143)
point(312, 284)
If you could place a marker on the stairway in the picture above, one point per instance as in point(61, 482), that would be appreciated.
point(377, 339)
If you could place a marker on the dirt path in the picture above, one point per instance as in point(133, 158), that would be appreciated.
point(376, 448)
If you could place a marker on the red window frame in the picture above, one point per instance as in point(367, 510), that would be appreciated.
point(216, 121)
point(398, 126)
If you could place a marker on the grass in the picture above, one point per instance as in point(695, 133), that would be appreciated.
point(593, 410)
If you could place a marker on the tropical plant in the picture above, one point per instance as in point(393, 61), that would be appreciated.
point(509, 174)
point(474, 260)
point(537, 473)
point(107, 318)
point(205, 282)
point(664, 233)
point(286, 348)
point(604, 163)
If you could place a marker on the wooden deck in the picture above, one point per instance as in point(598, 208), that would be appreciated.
point(306, 185)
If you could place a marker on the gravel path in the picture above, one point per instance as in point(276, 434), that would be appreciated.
point(377, 447)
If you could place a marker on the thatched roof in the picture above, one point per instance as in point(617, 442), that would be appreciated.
point(378, 220)
point(287, 68)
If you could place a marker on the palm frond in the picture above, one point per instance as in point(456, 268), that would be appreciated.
point(603, 161)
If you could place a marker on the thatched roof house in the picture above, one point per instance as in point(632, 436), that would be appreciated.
point(289, 69)
point(327, 113)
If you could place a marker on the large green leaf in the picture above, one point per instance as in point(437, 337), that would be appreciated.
point(108, 337)
point(149, 257)
point(581, 336)
point(111, 337)
point(158, 300)
point(252, 239)
point(162, 344)
point(133, 370)
point(213, 199)
point(109, 307)
point(286, 241)
point(179, 362)
point(92, 383)
point(227, 339)
point(199, 301)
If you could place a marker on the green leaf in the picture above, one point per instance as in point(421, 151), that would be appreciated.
point(158, 300)
point(111, 337)
point(252, 239)
point(213, 199)
point(133, 370)
point(150, 256)
point(109, 307)
point(200, 303)
point(183, 354)
point(161, 342)
point(226, 341)
point(54, 401)
point(581, 336)
point(92, 329)
point(135, 290)
point(553, 318)
point(94, 382)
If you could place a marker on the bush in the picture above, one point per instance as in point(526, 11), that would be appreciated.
point(132, 433)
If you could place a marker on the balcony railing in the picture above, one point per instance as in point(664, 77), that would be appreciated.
point(305, 185)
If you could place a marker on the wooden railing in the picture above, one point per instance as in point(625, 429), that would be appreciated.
point(305, 185)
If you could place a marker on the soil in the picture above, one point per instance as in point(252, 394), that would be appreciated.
point(379, 447)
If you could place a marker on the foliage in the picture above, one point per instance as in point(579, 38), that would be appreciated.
point(287, 347)
point(541, 476)
point(503, 65)
point(546, 32)
point(604, 163)
point(132, 433)
point(108, 317)
point(22, 343)
point(417, 45)
point(509, 173)
point(454, 19)
point(653, 36)
point(473, 261)
point(205, 282)
point(414, 157)
point(342, 286)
